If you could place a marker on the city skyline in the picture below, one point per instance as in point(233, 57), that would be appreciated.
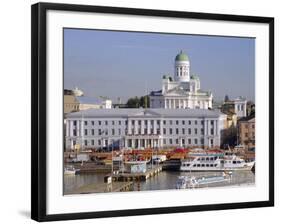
point(101, 62)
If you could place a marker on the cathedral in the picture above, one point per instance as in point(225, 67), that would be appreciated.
point(181, 91)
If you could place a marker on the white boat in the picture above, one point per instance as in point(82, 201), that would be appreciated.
point(204, 181)
point(159, 158)
point(70, 170)
point(182, 182)
point(214, 160)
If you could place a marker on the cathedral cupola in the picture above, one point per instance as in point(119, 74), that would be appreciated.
point(182, 67)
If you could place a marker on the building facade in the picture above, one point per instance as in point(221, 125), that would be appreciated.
point(70, 104)
point(183, 90)
point(74, 100)
point(237, 106)
point(246, 132)
point(86, 103)
point(144, 128)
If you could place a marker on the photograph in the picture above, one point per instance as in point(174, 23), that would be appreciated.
point(156, 111)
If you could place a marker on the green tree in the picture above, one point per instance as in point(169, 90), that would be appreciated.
point(144, 101)
point(137, 102)
point(133, 102)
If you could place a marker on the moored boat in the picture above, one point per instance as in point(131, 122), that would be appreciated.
point(214, 160)
point(195, 182)
point(70, 170)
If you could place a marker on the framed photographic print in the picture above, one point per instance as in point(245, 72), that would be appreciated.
point(139, 111)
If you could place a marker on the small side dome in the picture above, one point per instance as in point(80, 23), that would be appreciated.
point(195, 77)
point(181, 57)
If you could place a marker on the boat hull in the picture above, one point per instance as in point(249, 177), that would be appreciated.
point(68, 172)
point(248, 166)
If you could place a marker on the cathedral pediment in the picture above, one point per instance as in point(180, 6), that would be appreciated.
point(178, 91)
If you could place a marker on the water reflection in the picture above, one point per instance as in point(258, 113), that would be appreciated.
point(163, 181)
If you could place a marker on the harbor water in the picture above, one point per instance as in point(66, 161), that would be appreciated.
point(163, 181)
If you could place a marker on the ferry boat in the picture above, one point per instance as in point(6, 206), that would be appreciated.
point(214, 160)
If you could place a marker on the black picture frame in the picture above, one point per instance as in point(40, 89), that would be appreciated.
point(39, 108)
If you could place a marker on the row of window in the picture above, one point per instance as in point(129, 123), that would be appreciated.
point(73, 106)
point(91, 142)
point(186, 131)
point(183, 142)
point(251, 126)
point(99, 122)
point(181, 71)
point(99, 132)
point(201, 165)
point(247, 135)
point(152, 122)
point(169, 131)
point(165, 142)
point(240, 107)
point(207, 158)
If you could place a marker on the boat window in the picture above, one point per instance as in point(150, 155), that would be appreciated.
point(198, 165)
point(203, 165)
point(211, 165)
point(194, 165)
point(207, 165)
point(207, 158)
point(203, 159)
point(216, 165)
point(215, 158)
point(234, 162)
point(211, 158)
point(239, 162)
point(187, 164)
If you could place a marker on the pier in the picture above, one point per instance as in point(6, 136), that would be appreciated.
point(125, 177)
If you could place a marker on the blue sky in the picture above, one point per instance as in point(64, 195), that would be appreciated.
point(128, 64)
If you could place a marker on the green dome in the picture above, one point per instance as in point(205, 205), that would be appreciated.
point(182, 57)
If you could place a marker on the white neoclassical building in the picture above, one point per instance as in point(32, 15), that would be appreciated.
point(181, 91)
point(142, 128)
point(237, 106)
